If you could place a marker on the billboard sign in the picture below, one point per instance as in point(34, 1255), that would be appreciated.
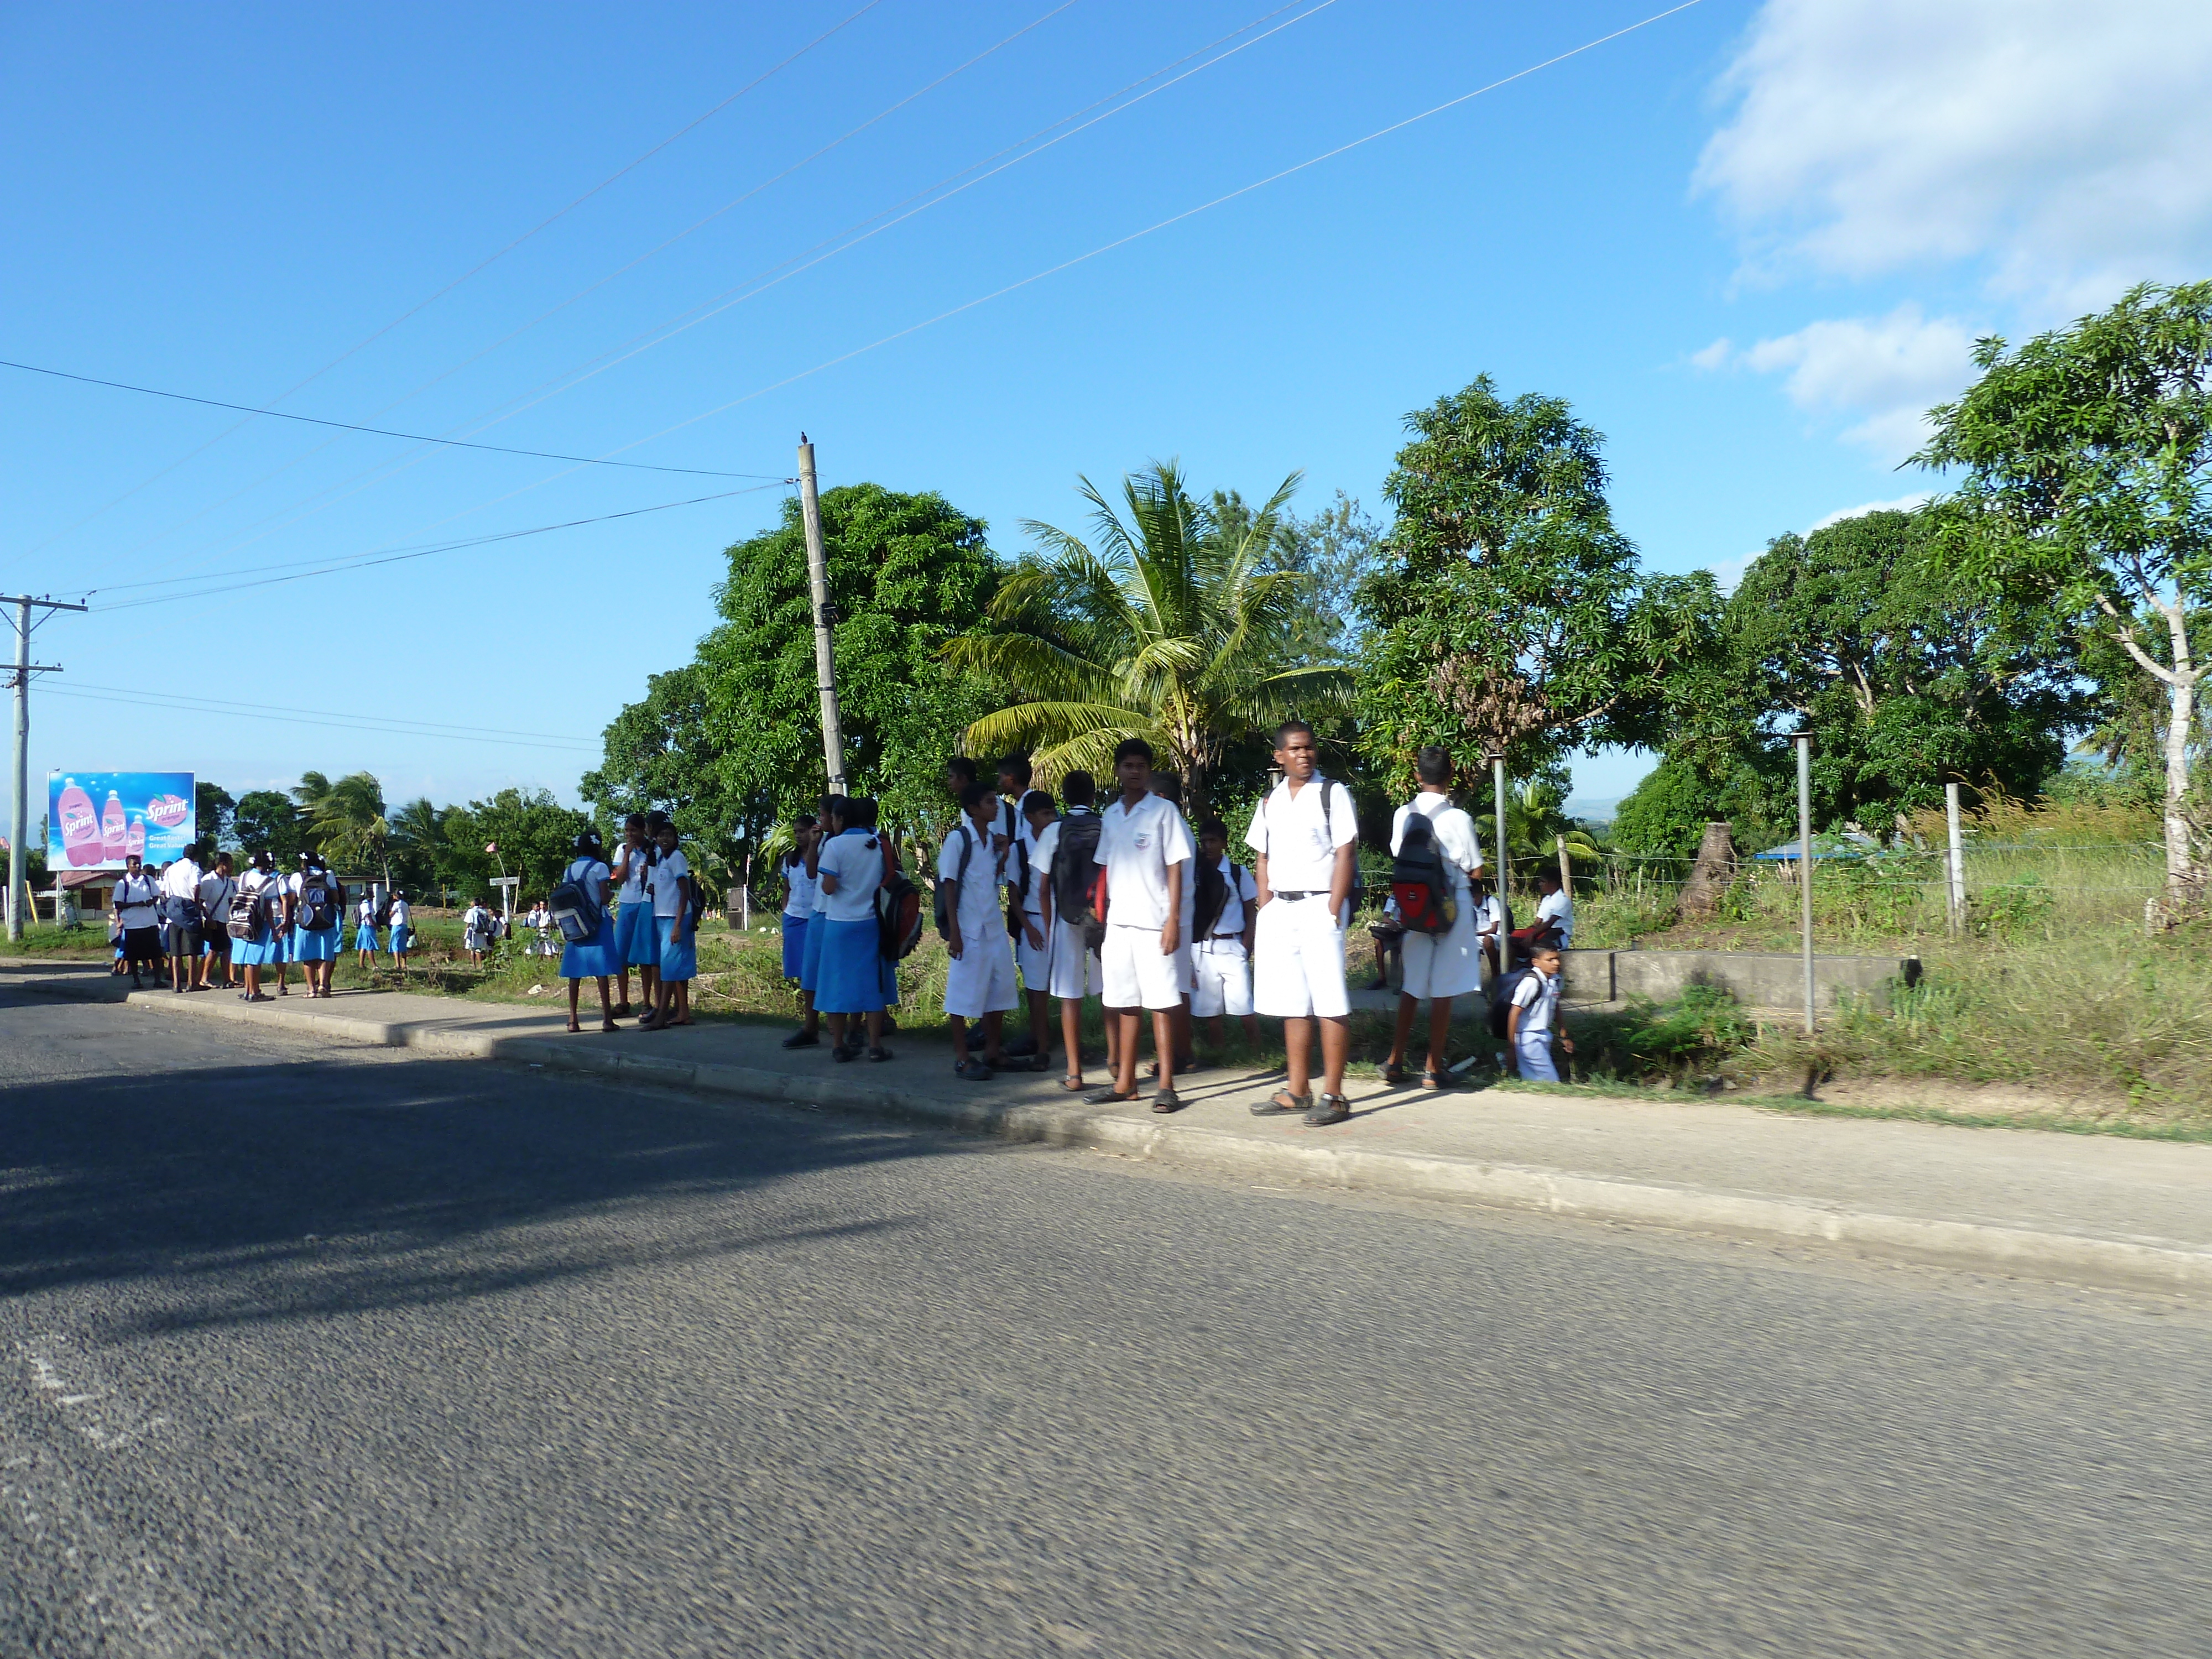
point(95, 820)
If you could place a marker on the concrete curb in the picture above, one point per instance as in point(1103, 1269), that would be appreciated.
point(2158, 1266)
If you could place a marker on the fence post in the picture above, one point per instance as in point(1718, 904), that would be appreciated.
point(1957, 871)
point(1804, 742)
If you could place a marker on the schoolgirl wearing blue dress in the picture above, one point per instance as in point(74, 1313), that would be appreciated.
point(676, 924)
point(636, 944)
point(265, 949)
point(364, 930)
point(403, 929)
point(316, 946)
point(597, 958)
point(800, 892)
point(809, 961)
point(854, 976)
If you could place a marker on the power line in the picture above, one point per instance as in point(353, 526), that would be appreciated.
point(481, 265)
point(1163, 224)
point(390, 728)
point(373, 431)
point(568, 379)
point(226, 704)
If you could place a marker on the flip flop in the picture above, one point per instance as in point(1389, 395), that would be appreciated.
point(1073, 1084)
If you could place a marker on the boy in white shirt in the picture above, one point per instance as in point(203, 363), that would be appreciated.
point(1075, 971)
point(1145, 848)
point(1437, 966)
point(1529, 1019)
point(1033, 945)
point(1303, 837)
point(979, 985)
point(1222, 918)
point(1555, 911)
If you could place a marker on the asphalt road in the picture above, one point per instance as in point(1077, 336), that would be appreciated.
point(339, 1351)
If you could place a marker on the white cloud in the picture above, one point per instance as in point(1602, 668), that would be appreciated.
point(1714, 356)
point(1901, 504)
point(1886, 370)
point(2061, 143)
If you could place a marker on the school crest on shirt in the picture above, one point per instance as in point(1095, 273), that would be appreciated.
point(1142, 839)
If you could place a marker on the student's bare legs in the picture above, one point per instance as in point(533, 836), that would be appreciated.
point(1122, 1037)
point(994, 1038)
point(1298, 1052)
point(812, 1025)
point(1440, 1014)
point(1408, 1005)
point(1170, 1026)
point(1071, 1035)
point(574, 986)
point(1041, 1022)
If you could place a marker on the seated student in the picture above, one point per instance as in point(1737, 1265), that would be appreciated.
point(676, 919)
point(1555, 916)
point(1222, 918)
point(799, 890)
point(1145, 848)
point(1489, 923)
point(979, 985)
point(1033, 943)
point(1529, 1020)
point(1065, 855)
point(851, 976)
point(1389, 933)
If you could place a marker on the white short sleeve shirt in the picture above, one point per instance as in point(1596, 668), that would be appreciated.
point(799, 901)
point(979, 887)
point(1137, 845)
point(1042, 846)
point(667, 884)
point(635, 862)
point(1537, 998)
point(1299, 840)
point(1559, 910)
point(856, 858)
point(1242, 891)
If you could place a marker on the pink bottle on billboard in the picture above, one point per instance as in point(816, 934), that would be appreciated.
point(113, 831)
point(80, 827)
point(134, 843)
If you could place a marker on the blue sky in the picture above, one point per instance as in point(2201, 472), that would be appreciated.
point(1750, 242)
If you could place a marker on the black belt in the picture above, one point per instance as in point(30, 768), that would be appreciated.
point(1238, 937)
point(1279, 894)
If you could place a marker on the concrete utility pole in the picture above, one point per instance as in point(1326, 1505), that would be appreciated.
point(1804, 742)
point(19, 824)
point(825, 618)
point(1957, 871)
point(1504, 869)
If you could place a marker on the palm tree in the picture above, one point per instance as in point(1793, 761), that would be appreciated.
point(417, 834)
point(345, 819)
point(1172, 629)
point(1535, 822)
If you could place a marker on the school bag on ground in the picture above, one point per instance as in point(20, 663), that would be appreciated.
point(1502, 1000)
point(1420, 882)
point(319, 910)
point(575, 912)
point(1073, 869)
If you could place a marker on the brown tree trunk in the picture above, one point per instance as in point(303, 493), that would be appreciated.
point(1711, 875)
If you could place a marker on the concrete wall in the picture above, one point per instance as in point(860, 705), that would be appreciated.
point(1759, 979)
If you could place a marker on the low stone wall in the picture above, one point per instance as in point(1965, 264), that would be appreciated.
point(1759, 978)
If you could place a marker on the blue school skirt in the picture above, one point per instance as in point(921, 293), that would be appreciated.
point(255, 952)
point(679, 957)
point(314, 945)
point(364, 938)
point(809, 954)
point(637, 941)
point(794, 944)
point(854, 979)
point(597, 960)
point(403, 939)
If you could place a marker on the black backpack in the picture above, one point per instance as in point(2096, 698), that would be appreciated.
point(898, 914)
point(245, 915)
point(1211, 896)
point(1501, 999)
point(1420, 881)
point(1075, 877)
point(318, 903)
point(576, 911)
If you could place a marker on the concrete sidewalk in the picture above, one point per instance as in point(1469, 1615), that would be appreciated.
point(2092, 1209)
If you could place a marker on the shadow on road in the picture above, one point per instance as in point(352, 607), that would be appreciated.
point(210, 1193)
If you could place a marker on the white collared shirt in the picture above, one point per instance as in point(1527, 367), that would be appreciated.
point(855, 857)
point(1537, 998)
point(1242, 890)
point(1559, 910)
point(979, 887)
point(1137, 845)
point(181, 879)
point(1298, 838)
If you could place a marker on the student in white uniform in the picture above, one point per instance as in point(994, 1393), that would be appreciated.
point(800, 884)
point(1145, 848)
point(1169, 787)
point(180, 898)
point(138, 902)
point(1025, 887)
point(980, 983)
point(1555, 911)
point(216, 888)
point(1222, 918)
point(1438, 967)
point(1303, 841)
point(1529, 1019)
point(476, 931)
point(1066, 850)
point(637, 943)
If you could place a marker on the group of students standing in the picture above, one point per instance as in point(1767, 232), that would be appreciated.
point(652, 928)
point(1125, 904)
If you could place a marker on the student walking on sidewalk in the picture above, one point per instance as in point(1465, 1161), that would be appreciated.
point(1532, 1014)
point(1145, 848)
point(1439, 965)
point(1302, 838)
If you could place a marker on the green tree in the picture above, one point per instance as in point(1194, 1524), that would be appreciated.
point(665, 754)
point(346, 820)
point(419, 849)
point(524, 832)
point(2087, 455)
point(266, 821)
point(1511, 617)
point(212, 809)
point(1168, 630)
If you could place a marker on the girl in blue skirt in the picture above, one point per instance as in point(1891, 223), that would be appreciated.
point(855, 979)
point(402, 930)
point(266, 888)
point(677, 921)
point(364, 932)
point(636, 944)
point(799, 888)
point(810, 963)
point(596, 957)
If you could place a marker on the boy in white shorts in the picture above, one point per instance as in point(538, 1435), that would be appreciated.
point(1302, 838)
point(1145, 848)
point(1528, 1020)
point(979, 984)
point(1221, 955)
point(1074, 969)
point(1437, 966)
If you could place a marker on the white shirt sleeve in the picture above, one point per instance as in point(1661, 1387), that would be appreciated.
point(1256, 836)
point(1526, 993)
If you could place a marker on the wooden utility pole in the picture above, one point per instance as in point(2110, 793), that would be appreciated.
point(19, 823)
point(825, 618)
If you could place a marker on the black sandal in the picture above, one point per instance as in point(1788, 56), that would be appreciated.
point(1395, 1075)
point(1283, 1104)
point(1330, 1109)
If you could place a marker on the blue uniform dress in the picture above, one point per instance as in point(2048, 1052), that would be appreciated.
point(403, 936)
point(679, 950)
point(601, 955)
point(364, 932)
point(810, 955)
point(851, 975)
point(636, 942)
point(794, 944)
point(263, 950)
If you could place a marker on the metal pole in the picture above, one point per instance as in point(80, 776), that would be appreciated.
point(19, 821)
point(818, 582)
point(1504, 870)
point(1804, 741)
point(1958, 870)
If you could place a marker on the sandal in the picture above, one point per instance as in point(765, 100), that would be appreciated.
point(1330, 1109)
point(609, 1026)
point(1073, 1084)
point(878, 1053)
point(973, 1071)
point(1108, 1097)
point(1283, 1104)
point(1434, 1079)
point(1394, 1075)
point(573, 1026)
point(1165, 1101)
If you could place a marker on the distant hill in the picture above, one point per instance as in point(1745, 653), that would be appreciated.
point(1595, 812)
